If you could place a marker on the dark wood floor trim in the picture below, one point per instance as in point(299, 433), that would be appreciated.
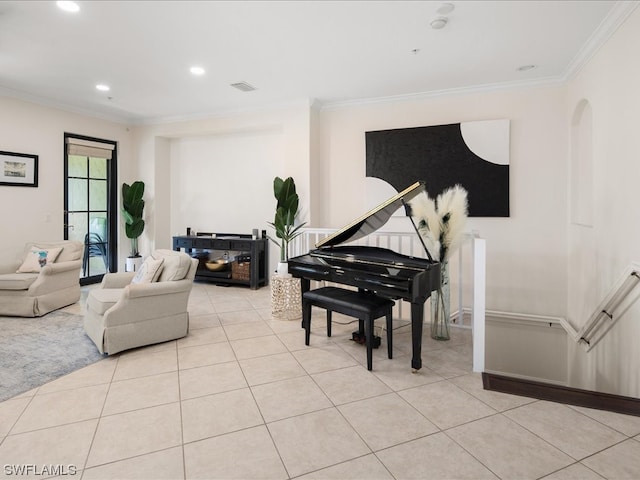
point(561, 394)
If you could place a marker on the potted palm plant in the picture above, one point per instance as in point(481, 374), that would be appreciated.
point(132, 209)
point(284, 219)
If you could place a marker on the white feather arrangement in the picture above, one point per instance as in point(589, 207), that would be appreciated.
point(452, 210)
point(423, 210)
point(441, 222)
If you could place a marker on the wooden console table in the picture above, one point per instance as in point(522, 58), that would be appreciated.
point(243, 247)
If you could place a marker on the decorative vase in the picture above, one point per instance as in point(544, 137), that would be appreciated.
point(283, 269)
point(441, 306)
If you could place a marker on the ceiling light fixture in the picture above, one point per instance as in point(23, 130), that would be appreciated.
point(72, 7)
point(526, 68)
point(438, 23)
point(445, 8)
point(195, 70)
point(102, 87)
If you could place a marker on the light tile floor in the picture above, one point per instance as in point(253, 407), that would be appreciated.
point(242, 397)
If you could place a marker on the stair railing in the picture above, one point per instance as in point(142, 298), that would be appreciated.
point(610, 309)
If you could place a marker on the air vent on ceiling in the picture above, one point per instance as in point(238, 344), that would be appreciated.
point(243, 86)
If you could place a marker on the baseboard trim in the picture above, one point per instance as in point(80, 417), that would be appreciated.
point(526, 378)
point(561, 394)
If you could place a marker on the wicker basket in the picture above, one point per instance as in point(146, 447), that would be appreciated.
point(241, 271)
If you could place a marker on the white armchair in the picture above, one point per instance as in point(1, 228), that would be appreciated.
point(121, 315)
point(35, 293)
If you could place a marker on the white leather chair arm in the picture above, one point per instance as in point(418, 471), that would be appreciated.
point(117, 279)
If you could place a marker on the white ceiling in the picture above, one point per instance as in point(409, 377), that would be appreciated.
point(291, 51)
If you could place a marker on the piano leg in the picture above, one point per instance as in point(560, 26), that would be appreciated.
point(417, 317)
point(305, 285)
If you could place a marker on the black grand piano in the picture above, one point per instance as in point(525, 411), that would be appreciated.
point(380, 270)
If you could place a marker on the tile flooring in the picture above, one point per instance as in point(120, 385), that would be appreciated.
point(242, 397)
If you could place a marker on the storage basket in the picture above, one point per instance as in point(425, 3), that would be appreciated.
point(241, 271)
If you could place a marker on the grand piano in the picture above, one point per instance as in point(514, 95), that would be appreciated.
point(380, 270)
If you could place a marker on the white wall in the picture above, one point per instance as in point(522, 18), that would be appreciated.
point(29, 214)
point(224, 183)
point(529, 349)
point(610, 84)
point(183, 162)
point(526, 253)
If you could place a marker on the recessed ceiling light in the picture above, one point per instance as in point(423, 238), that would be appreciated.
point(102, 87)
point(197, 70)
point(445, 8)
point(526, 68)
point(438, 23)
point(68, 6)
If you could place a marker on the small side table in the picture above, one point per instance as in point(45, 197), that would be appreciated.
point(286, 298)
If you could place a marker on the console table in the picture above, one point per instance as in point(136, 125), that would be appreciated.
point(254, 252)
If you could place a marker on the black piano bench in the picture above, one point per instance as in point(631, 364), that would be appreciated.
point(364, 306)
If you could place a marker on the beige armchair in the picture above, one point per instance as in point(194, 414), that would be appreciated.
point(35, 293)
point(121, 315)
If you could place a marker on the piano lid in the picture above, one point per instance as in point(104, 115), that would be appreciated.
point(373, 220)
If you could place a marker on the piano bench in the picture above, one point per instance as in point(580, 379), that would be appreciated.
point(364, 306)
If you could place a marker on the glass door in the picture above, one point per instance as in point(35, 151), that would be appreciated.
point(90, 203)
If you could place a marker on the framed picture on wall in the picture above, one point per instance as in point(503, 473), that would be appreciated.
point(472, 154)
point(18, 169)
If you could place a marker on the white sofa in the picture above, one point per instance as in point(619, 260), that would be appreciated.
point(34, 294)
point(121, 315)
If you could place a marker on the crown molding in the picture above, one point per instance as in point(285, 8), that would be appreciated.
point(492, 87)
point(48, 102)
point(614, 19)
point(266, 108)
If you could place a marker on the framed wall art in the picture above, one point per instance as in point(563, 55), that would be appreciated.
point(473, 154)
point(18, 169)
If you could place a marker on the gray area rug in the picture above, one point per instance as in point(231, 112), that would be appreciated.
point(34, 351)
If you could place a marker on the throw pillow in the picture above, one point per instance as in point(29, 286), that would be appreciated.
point(36, 258)
point(176, 265)
point(149, 271)
point(52, 253)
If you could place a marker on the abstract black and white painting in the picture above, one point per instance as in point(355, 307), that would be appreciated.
point(472, 154)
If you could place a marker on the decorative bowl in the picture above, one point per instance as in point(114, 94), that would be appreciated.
point(216, 265)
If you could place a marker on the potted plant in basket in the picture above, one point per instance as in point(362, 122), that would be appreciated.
point(284, 220)
point(132, 208)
